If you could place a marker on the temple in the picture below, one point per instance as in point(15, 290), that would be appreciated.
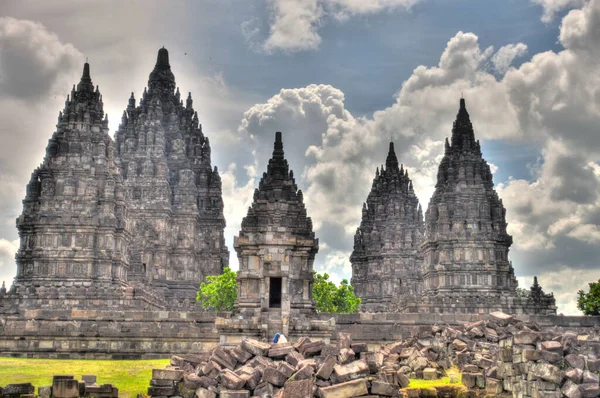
point(460, 264)
point(276, 248)
point(137, 223)
point(386, 258)
point(134, 223)
point(174, 194)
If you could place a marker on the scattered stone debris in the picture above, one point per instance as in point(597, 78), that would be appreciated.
point(305, 368)
point(63, 386)
point(500, 356)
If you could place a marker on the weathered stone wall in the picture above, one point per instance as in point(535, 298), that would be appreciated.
point(158, 334)
point(106, 334)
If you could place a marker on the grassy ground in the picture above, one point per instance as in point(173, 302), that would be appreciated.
point(443, 381)
point(130, 377)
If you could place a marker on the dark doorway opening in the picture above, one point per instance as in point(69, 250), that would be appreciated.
point(275, 293)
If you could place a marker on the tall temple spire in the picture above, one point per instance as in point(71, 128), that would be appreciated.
point(466, 243)
point(391, 163)
point(160, 144)
point(385, 260)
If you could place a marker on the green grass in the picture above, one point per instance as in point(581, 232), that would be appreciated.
point(443, 381)
point(129, 376)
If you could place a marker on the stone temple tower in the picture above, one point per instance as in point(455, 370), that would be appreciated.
point(73, 229)
point(173, 193)
point(276, 248)
point(466, 267)
point(386, 259)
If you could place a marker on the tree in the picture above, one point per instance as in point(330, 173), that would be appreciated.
point(523, 292)
point(589, 303)
point(331, 298)
point(219, 291)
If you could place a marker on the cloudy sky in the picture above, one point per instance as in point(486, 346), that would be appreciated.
point(339, 78)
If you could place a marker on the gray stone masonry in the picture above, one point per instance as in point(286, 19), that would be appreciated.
point(276, 248)
point(175, 206)
point(386, 259)
point(73, 229)
point(466, 267)
point(458, 261)
point(135, 223)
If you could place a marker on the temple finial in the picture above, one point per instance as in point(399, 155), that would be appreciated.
point(163, 58)
point(462, 103)
point(86, 71)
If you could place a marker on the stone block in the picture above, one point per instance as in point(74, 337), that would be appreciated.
point(205, 393)
point(374, 360)
point(590, 390)
point(274, 376)
point(45, 392)
point(231, 381)
point(527, 337)
point(382, 388)
point(298, 389)
point(18, 389)
point(344, 340)
point(430, 374)
point(285, 368)
point(312, 348)
point(501, 318)
point(280, 350)
point(403, 380)
point(167, 374)
point(234, 394)
point(530, 355)
point(326, 368)
point(329, 349)
point(65, 388)
point(575, 361)
point(571, 390)
point(353, 370)
point(293, 358)
point(593, 365)
point(480, 380)
point(349, 389)
point(162, 383)
point(359, 347)
point(493, 386)
point(88, 379)
point(548, 372)
point(590, 378)
point(192, 381)
point(574, 374)
point(264, 390)
point(224, 358)
point(552, 346)
point(255, 347)
point(241, 356)
point(304, 373)
point(549, 356)
point(161, 391)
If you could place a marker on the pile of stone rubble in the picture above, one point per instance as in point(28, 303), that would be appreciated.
point(304, 369)
point(505, 355)
point(497, 356)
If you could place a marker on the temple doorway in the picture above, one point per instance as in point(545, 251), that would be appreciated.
point(275, 293)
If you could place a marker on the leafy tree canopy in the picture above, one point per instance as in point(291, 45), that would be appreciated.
point(219, 292)
point(589, 303)
point(331, 298)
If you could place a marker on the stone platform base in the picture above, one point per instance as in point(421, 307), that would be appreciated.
point(159, 334)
